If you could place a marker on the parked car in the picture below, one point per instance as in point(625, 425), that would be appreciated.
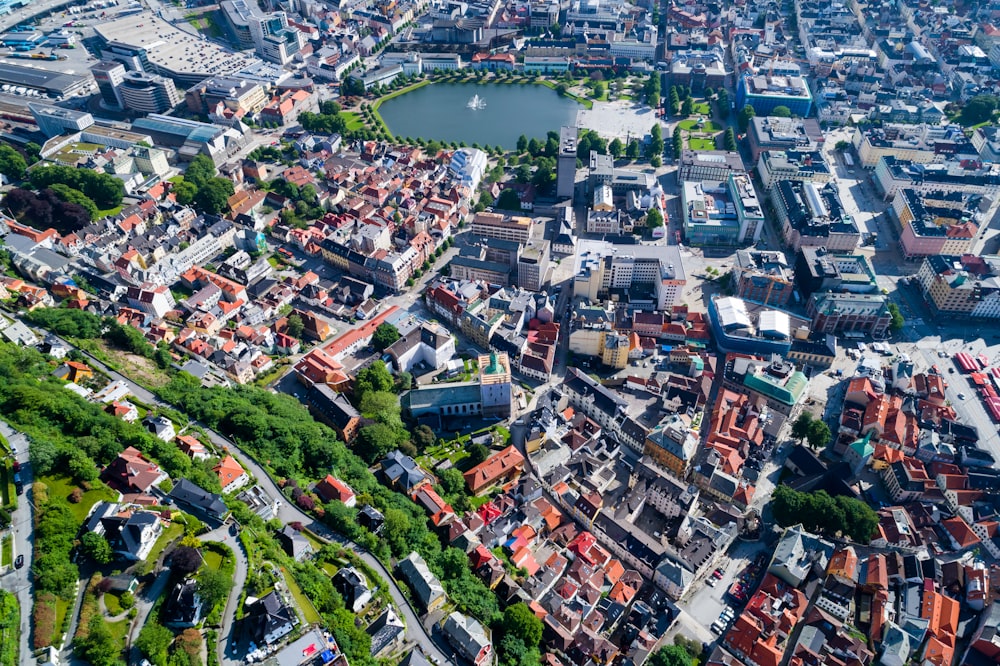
point(19, 562)
point(717, 574)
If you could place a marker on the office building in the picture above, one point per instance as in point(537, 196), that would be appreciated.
point(763, 276)
point(53, 84)
point(765, 93)
point(817, 269)
point(813, 215)
point(148, 93)
point(533, 265)
point(773, 133)
point(709, 165)
point(109, 74)
point(804, 165)
point(602, 171)
point(55, 120)
point(721, 213)
point(921, 144)
point(566, 166)
point(969, 176)
point(642, 276)
point(236, 94)
point(504, 227)
point(840, 313)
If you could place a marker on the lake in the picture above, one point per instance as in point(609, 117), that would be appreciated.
point(440, 111)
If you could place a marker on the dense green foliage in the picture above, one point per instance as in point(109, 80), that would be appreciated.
point(979, 109)
point(670, 655)
point(743, 119)
point(897, 322)
point(654, 218)
point(104, 189)
point(819, 512)
point(202, 188)
point(99, 646)
point(384, 336)
point(12, 164)
point(96, 547)
point(10, 629)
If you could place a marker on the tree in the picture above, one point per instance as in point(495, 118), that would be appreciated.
point(423, 436)
point(154, 640)
point(729, 139)
point(200, 170)
point(616, 148)
point(722, 101)
point(600, 89)
point(535, 147)
point(96, 547)
point(654, 218)
point(687, 107)
point(213, 586)
point(99, 647)
point(185, 560)
point(384, 335)
point(478, 453)
point(781, 112)
point(979, 109)
point(632, 150)
point(671, 655)
point(897, 322)
point(185, 192)
point(678, 143)
point(843, 144)
point(800, 428)
point(818, 435)
point(375, 441)
point(12, 164)
point(519, 621)
point(656, 161)
point(213, 196)
point(523, 173)
point(819, 512)
point(452, 481)
point(743, 120)
point(508, 200)
point(404, 381)
point(294, 326)
point(656, 141)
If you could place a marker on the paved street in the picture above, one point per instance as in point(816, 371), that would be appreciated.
point(14, 580)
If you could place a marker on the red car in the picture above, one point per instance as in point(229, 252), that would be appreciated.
point(717, 574)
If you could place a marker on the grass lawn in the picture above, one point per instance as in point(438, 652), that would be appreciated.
point(62, 608)
point(61, 486)
point(308, 610)
point(701, 144)
point(113, 603)
point(691, 125)
point(119, 630)
point(477, 502)
point(7, 490)
point(108, 212)
point(313, 541)
point(211, 559)
point(175, 531)
point(702, 108)
point(7, 551)
point(352, 120)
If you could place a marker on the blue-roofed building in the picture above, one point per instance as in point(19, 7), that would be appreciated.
point(765, 93)
point(191, 137)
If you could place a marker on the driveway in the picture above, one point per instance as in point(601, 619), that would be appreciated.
point(221, 535)
point(18, 581)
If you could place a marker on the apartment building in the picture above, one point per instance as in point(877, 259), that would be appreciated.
point(802, 165)
point(813, 215)
point(967, 175)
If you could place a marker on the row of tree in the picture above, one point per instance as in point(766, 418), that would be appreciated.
point(819, 512)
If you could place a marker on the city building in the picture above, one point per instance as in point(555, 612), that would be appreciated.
point(504, 227)
point(699, 69)
point(818, 270)
point(242, 96)
point(147, 93)
point(776, 381)
point(55, 120)
point(813, 215)
point(633, 274)
point(721, 213)
point(52, 84)
point(920, 144)
point(192, 137)
point(839, 313)
point(783, 134)
point(469, 638)
point(602, 171)
point(801, 165)
point(109, 75)
point(566, 164)
point(765, 93)
point(763, 277)
point(467, 166)
point(937, 222)
point(715, 165)
point(964, 285)
point(967, 176)
point(739, 328)
point(533, 265)
point(673, 444)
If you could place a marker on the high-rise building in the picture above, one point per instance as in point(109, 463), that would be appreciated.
point(148, 93)
point(566, 166)
point(109, 74)
point(269, 34)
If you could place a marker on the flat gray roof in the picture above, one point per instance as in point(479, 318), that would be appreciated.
point(40, 79)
